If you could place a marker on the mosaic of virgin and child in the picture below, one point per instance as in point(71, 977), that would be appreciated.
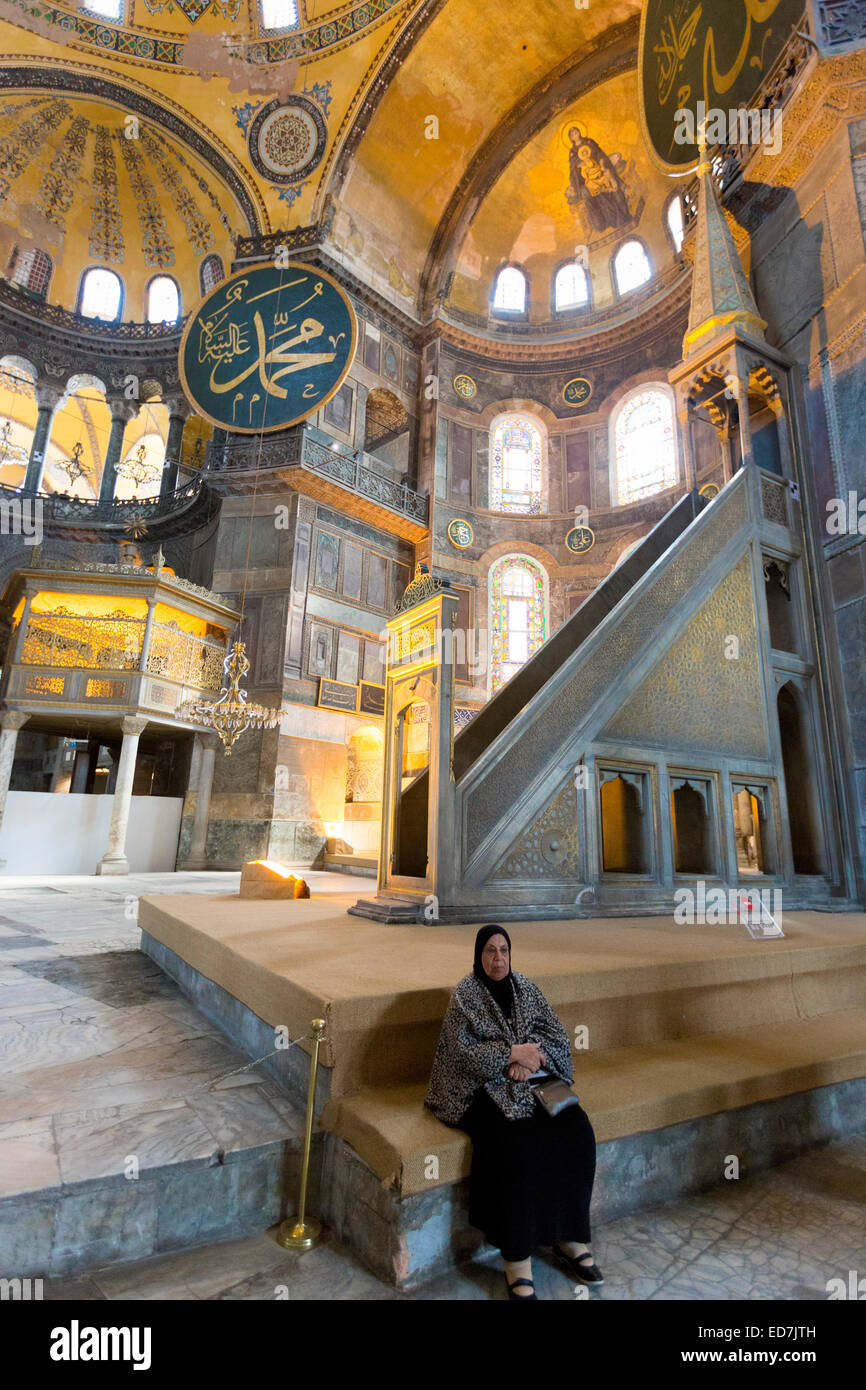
point(599, 184)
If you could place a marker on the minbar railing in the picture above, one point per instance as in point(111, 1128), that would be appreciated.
point(344, 467)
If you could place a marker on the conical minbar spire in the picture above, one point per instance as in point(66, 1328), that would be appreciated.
point(721, 295)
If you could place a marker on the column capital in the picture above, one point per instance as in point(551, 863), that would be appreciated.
point(48, 396)
point(11, 720)
point(210, 742)
point(122, 409)
point(177, 406)
point(133, 727)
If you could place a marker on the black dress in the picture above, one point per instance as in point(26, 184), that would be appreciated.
point(531, 1180)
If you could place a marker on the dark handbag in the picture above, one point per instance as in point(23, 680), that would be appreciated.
point(553, 1095)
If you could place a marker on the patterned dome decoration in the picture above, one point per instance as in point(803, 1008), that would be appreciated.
point(287, 139)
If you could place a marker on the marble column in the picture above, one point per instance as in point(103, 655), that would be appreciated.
point(120, 415)
point(197, 858)
point(360, 415)
point(114, 860)
point(173, 447)
point(10, 722)
point(47, 400)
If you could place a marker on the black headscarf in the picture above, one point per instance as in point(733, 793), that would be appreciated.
point(500, 989)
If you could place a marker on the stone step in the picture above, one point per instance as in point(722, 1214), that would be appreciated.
point(625, 1091)
point(367, 866)
point(82, 1189)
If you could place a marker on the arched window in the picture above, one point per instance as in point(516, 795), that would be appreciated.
point(32, 270)
point(510, 294)
point(631, 267)
point(645, 447)
point(163, 300)
point(211, 272)
point(515, 474)
point(518, 615)
point(107, 9)
point(571, 287)
point(100, 295)
point(676, 227)
point(278, 14)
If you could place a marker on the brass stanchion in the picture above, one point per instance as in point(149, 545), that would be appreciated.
point(300, 1234)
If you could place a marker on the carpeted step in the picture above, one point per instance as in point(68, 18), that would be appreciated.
point(624, 1091)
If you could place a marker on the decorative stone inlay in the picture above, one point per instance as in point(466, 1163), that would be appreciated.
point(695, 696)
point(287, 141)
point(773, 502)
point(549, 849)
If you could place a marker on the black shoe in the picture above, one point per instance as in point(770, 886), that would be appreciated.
point(521, 1298)
point(585, 1273)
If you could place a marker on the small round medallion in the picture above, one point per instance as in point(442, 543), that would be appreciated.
point(460, 533)
point(710, 490)
point(580, 539)
point(287, 140)
point(577, 391)
point(464, 386)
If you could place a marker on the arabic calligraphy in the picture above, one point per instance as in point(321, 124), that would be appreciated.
point(672, 50)
point(268, 347)
point(711, 50)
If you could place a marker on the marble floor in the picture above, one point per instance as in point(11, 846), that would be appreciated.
point(100, 1052)
point(95, 1039)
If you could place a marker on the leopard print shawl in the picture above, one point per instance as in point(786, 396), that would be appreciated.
point(475, 1044)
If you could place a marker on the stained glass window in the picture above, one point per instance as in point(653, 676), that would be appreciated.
point(100, 295)
point(510, 290)
point(163, 300)
point(211, 273)
point(570, 289)
point(631, 267)
point(515, 476)
point(518, 622)
point(646, 458)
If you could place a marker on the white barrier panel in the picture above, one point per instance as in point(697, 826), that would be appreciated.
point(67, 833)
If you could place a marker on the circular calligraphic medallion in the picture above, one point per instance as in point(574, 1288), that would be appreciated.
point(464, 386)
point(580, 539)
point(460, 533)
point(286, 140)
point(710, 490)
point(707, 62)
point(577, 391)
point(267, 347)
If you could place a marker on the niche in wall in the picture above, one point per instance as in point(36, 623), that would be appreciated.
point(623, 823)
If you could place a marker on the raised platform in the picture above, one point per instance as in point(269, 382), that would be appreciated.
point(699, 1039)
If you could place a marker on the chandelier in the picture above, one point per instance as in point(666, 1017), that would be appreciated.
point(231, 713)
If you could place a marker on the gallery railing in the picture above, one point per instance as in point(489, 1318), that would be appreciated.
point(114, 643)
point(347, 468)
point(60, 506)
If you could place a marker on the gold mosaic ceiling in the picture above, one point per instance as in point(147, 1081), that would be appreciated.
point(369, 76)
point(72, 180)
